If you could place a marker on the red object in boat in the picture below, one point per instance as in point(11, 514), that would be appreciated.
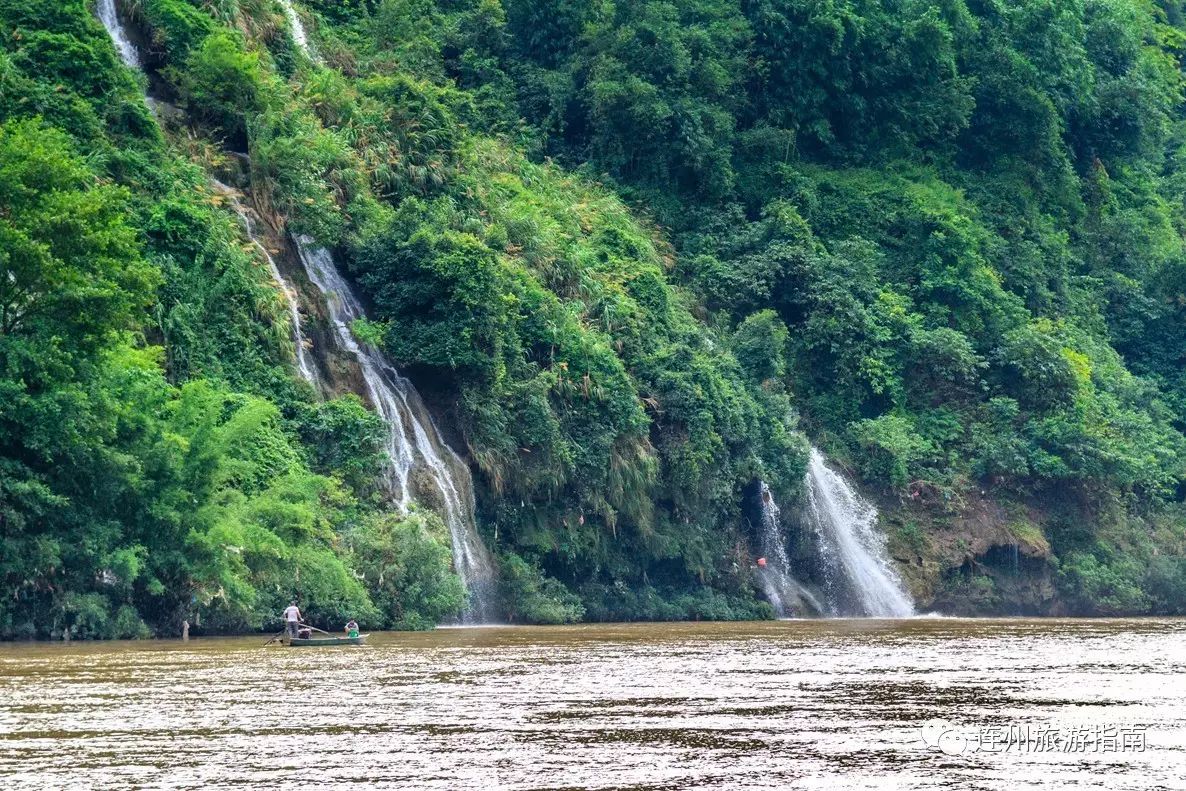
point(762, 563)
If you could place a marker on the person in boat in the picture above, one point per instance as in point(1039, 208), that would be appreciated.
point(352, 628)
point(292, 619)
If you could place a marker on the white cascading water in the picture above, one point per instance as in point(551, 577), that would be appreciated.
point(857, 567)
point(297, 28)
point(785, 594)
point(413, 441)
point(307, 370)
point(109, 16)
point(105, 10)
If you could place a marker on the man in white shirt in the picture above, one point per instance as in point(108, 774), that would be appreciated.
point(292, 619)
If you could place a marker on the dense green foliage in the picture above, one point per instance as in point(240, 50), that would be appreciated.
point(152, 468)
point(629, 246)
point(613, 432)
point(968, 215)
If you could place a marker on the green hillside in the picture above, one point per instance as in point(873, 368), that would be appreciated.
point(634, 255)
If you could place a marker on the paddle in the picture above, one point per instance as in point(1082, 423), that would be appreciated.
point(314, 628)
point(274, 638)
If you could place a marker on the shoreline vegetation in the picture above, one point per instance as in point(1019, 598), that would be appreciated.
point(633, 255)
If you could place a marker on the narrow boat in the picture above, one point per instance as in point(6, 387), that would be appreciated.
point(297, 642)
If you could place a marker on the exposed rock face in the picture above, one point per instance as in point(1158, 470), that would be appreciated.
point(985, 559)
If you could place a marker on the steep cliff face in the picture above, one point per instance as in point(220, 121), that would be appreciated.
point(996, 554)
point(317, 357)
point(979, 266)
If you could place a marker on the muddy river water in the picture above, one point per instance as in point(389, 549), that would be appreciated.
point(845, 704)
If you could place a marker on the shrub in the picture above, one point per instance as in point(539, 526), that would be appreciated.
point(222, 83)
point(759, 343)
point(405, 564)
point(529, 596)
point(892, 450)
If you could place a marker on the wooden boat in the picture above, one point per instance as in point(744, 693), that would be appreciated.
point(297, 642)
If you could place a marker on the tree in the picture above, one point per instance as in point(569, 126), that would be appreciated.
point(70, 264)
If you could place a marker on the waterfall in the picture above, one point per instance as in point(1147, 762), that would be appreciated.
point(413, 441)
point(297, 28)
point(105, 9)
point(784, 592)
point(860, 578)
point(109, 16)
point(414, 445)
point(304, 364)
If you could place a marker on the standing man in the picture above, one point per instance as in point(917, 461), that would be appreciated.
point(292, 619)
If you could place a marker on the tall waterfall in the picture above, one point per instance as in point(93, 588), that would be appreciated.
point(413, 442)
point(297, 28)
point(858, 571)
point(785, 593)
point(415, 449)
point(105, 9)
point(304, 364)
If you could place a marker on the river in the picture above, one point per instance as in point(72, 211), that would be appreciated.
point(847, 704)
